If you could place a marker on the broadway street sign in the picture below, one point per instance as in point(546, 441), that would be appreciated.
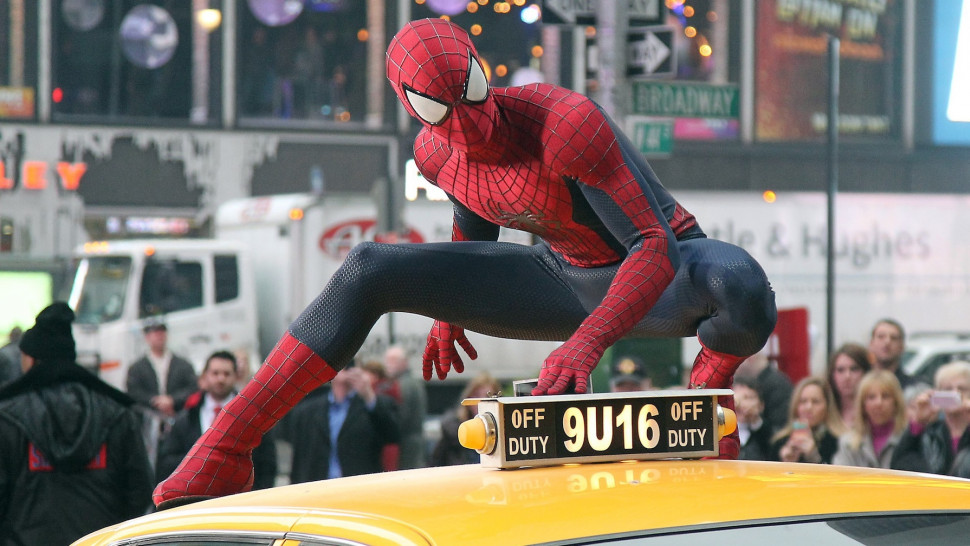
point(685, 100)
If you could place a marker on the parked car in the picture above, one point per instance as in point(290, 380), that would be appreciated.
point(927, 351)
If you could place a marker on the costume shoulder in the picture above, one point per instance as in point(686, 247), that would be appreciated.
point(537, 99)
point(563, 122)
point(429, 155)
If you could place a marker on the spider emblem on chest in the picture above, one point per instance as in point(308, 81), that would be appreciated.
point(533, 222)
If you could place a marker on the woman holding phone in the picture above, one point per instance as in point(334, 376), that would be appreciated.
point(814, 425)
point(938, 438)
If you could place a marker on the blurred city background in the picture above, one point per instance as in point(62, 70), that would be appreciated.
point(125, 119)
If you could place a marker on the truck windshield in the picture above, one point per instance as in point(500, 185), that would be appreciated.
point(100, 285)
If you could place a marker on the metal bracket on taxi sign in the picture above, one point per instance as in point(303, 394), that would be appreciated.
point(511, 432)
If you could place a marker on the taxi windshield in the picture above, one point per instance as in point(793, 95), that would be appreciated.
point(879, 529)
point(100, 285)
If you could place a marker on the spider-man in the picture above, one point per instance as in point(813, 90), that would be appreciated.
point(618, 256)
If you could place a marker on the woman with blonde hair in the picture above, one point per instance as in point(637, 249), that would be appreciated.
point(448, 451)
point(879, 424)
point(814, 425)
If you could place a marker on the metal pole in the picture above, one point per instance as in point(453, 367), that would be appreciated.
point(833, 188)
point(229, 47)
point(44, 68)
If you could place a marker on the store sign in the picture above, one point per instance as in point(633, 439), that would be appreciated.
point(33, 175)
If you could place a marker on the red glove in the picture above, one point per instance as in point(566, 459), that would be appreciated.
point(440, 352)
point(570, 364)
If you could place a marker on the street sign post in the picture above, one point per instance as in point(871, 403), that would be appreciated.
point(650, 52)
point(652, 137)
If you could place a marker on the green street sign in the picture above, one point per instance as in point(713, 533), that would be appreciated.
point(685, 100)
point(653, 138)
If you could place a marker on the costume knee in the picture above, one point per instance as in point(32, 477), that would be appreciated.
point(347, 308)
point(745, 305)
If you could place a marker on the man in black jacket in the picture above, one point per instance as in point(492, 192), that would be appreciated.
point(160, 380)
point(341, 432)
point(71, 456)
point(217, 383)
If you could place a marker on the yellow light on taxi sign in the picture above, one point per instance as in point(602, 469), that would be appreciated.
point(478, 433)
point(296, 214)
point(96, 247)
point(149, 250)
point(511, 432)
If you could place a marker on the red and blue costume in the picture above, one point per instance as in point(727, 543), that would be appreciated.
point(618, 255)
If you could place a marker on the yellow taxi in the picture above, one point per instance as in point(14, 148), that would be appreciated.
point(624, 468)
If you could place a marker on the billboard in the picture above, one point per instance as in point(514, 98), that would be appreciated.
point(791, 78)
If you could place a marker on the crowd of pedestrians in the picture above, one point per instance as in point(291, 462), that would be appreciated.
point(864, 411)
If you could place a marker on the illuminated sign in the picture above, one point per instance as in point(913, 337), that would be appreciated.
point(414, 181)
point(33, 175)
point(544, 430)
point(951, 69)
point(958, 108)
point(16, 102)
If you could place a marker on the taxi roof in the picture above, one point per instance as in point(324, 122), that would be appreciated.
point(474, 505)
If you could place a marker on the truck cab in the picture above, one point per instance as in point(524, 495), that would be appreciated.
point(202, 289)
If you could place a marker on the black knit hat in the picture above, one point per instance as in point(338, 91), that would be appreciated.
point(51, 338)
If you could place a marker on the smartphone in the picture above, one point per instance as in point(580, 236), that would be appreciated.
point(800, 429)
point(946, 399)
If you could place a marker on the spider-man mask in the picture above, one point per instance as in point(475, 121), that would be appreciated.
point(434, 69)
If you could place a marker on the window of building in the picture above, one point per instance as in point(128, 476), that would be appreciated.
point(132, 59)
point(303, 62)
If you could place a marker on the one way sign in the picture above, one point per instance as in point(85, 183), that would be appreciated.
point(570, 12)
point(583, 12)
point(650, 52)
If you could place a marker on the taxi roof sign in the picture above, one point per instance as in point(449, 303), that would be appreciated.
point(511, 432)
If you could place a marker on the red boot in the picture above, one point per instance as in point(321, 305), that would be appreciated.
point(714, 370)
point(220, 463)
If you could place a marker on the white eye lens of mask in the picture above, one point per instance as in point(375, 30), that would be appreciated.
point(477, 83)
point(427, 109)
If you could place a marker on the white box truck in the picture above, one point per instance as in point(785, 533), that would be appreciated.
point(240, 291)
point(204, 291)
